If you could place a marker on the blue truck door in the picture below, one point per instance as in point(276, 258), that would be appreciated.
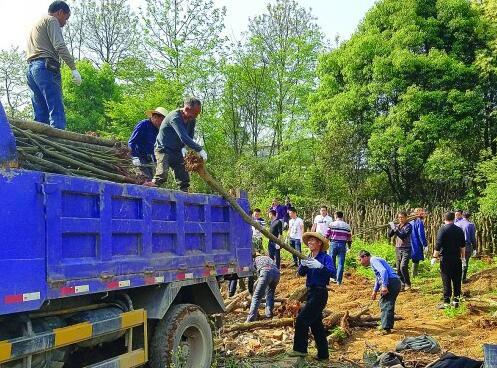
point(74, 223)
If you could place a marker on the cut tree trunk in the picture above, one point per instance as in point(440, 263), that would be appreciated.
point(46, 129)
point(236, 301)
point(193, 162)
point(299, 294)
point(263, 324)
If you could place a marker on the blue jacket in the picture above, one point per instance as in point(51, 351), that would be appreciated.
point(142, 139)
point(418, 240)
point(383, 272)
point(319, 276)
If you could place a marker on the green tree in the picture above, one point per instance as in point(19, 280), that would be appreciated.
point(182, 38)
point(13, 88)
point(403, 87)
point(288, 39)
point(104, 31)
point(85, 104)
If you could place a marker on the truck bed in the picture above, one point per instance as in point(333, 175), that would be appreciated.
point(64, 236)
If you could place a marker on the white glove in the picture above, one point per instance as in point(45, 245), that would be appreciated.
point(463, 261)
point(425, 250)
point(433, 261)
point(474, 253)
point(347, 250)
point(136, 161)
point(76, 77)
point(277, 246)
point(392, 225)
point(203, 154)
point(184, 151)
point(312, 263)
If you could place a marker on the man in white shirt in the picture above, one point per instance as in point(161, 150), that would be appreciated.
point(322, 221)
point(295, 231)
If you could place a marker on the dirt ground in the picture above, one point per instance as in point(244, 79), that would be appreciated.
point(462, 331)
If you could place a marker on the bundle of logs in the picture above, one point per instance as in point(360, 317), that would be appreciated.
point(288, 308)
point(43, 148)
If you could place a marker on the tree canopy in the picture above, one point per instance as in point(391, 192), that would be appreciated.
point(403, 111)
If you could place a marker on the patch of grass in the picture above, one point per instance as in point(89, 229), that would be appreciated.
point(379, 249)
point(452, 312)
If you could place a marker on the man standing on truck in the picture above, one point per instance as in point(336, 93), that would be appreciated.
point(175, 133)
point(142, 141)
point(45, 48)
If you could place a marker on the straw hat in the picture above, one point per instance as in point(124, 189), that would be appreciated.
point(158, 110)
point(306, 236)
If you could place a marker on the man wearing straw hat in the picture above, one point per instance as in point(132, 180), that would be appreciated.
point(319, 269)
point(176, 132)
point(142, 140)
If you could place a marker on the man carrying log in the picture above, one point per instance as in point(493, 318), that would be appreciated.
point(175, 133)
point(403, 251)
point(142, 140)
point(46, 46)
point(387, 283)
point(267, 280)
point(318, 269)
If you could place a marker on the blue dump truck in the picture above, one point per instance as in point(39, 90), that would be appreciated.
point(99, 274)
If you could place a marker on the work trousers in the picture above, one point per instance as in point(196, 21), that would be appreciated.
point(234, 283)
point(46, 94)
point(296, 244)
point(164, 162)
point(338, 250)
point(415, 268)
point(147, 167)
point(311, 316)
point(266, 285)
point(451, 272)
point(274, 254)
point(467, 255)
point(403, 256)
point(387, 303)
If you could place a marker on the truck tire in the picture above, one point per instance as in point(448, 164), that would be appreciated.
point(183, 338)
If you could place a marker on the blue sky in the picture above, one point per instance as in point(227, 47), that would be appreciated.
point(334, 16)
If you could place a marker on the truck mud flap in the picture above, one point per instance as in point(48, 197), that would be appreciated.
point(21, 347)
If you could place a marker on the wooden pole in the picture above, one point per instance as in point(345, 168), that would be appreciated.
point(46, 129)
point(194, 163)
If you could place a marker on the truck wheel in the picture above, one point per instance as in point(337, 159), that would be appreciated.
point(183, 338)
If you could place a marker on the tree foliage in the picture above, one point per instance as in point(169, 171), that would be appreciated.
point(13, 89)
point(405, 110)
point(104, 31)
point(405, 89)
